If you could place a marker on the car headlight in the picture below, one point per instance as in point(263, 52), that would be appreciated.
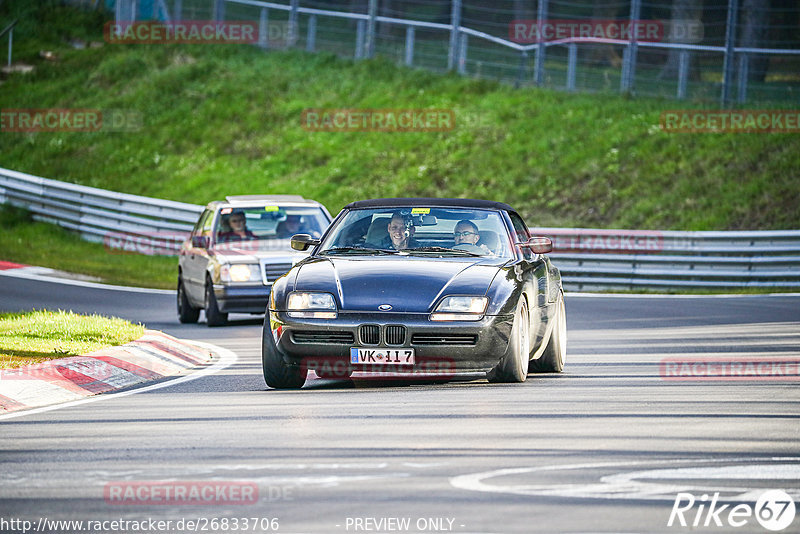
point(308, 305)
point(239, 272)
point(460, 309)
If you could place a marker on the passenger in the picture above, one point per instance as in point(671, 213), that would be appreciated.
point(238, 229)
point(291, 226)
point(466, 234)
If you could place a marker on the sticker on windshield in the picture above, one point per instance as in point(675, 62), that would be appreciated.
point(420, 211)
point(225, 211)
point(271, 208)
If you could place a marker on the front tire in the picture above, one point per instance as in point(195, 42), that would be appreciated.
point(555, 354)
point(214, 317)
point(186, 312)
point(277, 373)
point(514, 365)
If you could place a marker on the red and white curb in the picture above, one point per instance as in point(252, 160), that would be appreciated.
point(152, 356)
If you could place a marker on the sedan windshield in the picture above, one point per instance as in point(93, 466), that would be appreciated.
point(423, 231)
point(268, 223)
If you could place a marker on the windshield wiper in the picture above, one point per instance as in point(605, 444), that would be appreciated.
point(357, 250)
point(456, 251)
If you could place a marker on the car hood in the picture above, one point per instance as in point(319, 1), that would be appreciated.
point(408, 284)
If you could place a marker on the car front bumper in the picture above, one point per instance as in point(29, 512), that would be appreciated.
point(441, 347)
point(242, 299)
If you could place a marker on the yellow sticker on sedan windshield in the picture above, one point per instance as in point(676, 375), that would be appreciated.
point(420, 211)
point(271, 208)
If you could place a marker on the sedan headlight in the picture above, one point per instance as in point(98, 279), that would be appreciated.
point(239, 272)
point(458, 308)
point(308, 305)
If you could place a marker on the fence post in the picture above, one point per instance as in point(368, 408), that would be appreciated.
point(177, 11)
point(629, 64)
point(134, 10)
point(373, 12)
point(360, 30)
point(462, 54)
point(730, 39)
point(118, 11)
point(263, 28)
point(523, 59)
point(572, 65)
point(10, 44)
point(294, 29)
point(409, 46)
point(744, 67)
point(683, 73)
point(311, 37)
point(541, 49)
point(219, 10)
point(455, 22)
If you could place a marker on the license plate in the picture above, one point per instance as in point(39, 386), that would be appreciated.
point(382, 356)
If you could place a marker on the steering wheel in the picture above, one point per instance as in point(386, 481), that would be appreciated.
point(475, 249)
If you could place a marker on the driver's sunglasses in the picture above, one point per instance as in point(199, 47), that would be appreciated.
point(463, 234)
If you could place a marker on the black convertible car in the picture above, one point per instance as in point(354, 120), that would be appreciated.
point(421, 287)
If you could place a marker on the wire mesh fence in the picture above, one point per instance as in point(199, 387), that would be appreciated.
point(732, 51)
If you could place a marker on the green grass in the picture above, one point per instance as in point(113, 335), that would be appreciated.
point(219, 120)
point(35, 243)
point(39, 335)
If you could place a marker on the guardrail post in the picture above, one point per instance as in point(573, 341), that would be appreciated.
point(455, 22)
point(311, 37)
point(730, 39)
point(572, 65)
point(683, 73)
point(541, 49)
point(462, 54)
point(409, 46)
point(360, 31)
point(263, 28)
point(294, 28)
point(744, 67)
point(629, 60)
point(373, 12)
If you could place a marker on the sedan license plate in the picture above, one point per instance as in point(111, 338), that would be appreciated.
point(382, 356)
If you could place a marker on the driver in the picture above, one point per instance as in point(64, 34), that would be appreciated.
point(238, 225)
point(466, 233)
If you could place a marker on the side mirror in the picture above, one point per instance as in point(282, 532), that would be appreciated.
point(540, 245)
point(200, 241)
point(303, 242)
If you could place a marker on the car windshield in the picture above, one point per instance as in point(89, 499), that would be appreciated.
point(264, 223)
point(418, 230)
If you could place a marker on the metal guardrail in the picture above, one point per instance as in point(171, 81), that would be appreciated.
point(589, 259)
point(100, 215)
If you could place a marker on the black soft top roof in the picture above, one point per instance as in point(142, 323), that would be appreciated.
point(440, 202)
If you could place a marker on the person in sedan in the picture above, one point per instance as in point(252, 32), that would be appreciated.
point(238, 229)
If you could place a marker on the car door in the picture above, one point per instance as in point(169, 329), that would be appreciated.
point(534, 269)
point(195, 258)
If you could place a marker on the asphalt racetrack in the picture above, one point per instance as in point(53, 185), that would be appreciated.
point(638, 431)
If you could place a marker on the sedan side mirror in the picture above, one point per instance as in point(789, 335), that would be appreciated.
point(303, 241)
point(539, 245)
point(200, 241)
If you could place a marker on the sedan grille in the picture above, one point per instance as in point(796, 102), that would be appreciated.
point(273, 271)
point(339, 338)
point(369, 334)
point(395, 334)
point(444, 339)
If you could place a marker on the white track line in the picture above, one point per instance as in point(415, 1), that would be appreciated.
point(81, 283)
point(226, 359)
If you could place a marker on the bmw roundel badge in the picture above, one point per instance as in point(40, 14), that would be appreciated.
point(385, 307)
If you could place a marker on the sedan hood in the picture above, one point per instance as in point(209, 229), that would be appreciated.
point(408, 284)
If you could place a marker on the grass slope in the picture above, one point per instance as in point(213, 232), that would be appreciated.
point(225, 119)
